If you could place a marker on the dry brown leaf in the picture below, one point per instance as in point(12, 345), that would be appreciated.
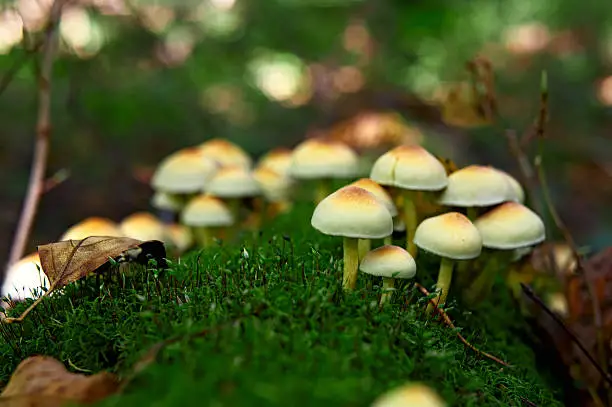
point(43, 381)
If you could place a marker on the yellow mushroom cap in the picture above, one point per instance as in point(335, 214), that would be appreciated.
point(180, 236)
point(476, 185)
point(164, 201)
point(316, 158)
point(183, 172)
point(410, 167)
point(518, 194)
point(274, 186)
point(389, 261)
point(23, 277)
point(278, 160)
point(410, 395)
point(352, 212)
point(143, 226)
point(206, 211)
point(92, 226)
point(233, 182)
point(449, 235)
point(510, 226)
point(225, 153)
point(379, 192)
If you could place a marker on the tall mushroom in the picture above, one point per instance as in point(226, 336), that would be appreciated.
point(410, 168)
point(452, 237)
point(354, 214)
point(388, 262)
point(224, 153)
point(323, 160)
point(507, 227)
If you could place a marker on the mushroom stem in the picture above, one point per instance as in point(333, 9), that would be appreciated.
point(203, 236)
point(388, 288)
point(351, 263)
point(364, 247)
point(410, 219)
point(476, 292)
point(445, 276)
point(472, 213)
point(323, 189)
point(388, 241)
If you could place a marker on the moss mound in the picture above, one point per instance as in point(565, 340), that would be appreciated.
point(267, 324)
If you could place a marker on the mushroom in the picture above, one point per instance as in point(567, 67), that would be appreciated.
point(92, 226)
point(180, 237)
point(276, 188)
point(183, 174)
point(476, 186)
point(166, 204)
point(278, 160)
point(507, 227)
point(205, 214)
point(388, 262)
point(233, 184)
point(225, 153)
point(380, 193)
point(410, 395)
point(518, 194)
point(323, 160)
point(410, 168)
point(353, 213)
point(23, 277)
point(143, 226)
point(452, 237)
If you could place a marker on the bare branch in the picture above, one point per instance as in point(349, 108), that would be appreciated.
point(43, 133)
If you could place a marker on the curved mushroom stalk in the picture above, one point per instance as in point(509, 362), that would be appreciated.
point(351, 263)
point(445, 276)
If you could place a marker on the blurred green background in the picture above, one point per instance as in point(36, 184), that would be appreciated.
point(136, 80)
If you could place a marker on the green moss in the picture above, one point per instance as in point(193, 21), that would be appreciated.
point(278, 330)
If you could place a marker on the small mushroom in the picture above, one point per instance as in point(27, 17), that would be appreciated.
point(504, 229)
point(225, 153)
point(23, 277)
point(183, 174)
point(143, 226)
point(206, 214)
point(410, 395)
point(323, 160)
point(410, 168)
point(179, 237)
point(276, 188)
point(278, 160)
point(92, 226)
point(452, 237)
point(353, 213)
point(379, 192)
point(390, 263)
point(166, 205)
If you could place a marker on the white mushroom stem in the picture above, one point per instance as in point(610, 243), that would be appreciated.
point(388, 288)
point(410, 219)
point(365, 245)
point(445, 276)
point(351, 262)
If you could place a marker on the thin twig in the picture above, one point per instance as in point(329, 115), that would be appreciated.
point(43, 133)
point(450, 324)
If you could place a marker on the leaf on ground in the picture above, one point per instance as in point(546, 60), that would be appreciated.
point(43, 381)
point(68, 261)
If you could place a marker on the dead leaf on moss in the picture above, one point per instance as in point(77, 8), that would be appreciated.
point(42, 381)
point(70, 260)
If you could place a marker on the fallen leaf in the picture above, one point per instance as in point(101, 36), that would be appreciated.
point(43, 381)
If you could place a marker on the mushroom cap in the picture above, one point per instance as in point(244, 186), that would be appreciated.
point(510, 226)
point(206, 211)
point(449, 235)
point(476, 185)
point(92, 226)
point(517, 189)
point(410, 167)
point(389, 261)
point(183, 172)
point(410, 395)
point(180, 236)
point(352, 212)
point(233, 182)
point(164, 201)
point(143, 226)
point(24, 276)
point(315, 158)
point(278, 160)
point(379, 192)
point(225, 153)
point(274, 186)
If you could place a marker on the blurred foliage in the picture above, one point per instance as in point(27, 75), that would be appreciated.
point(139, 79)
